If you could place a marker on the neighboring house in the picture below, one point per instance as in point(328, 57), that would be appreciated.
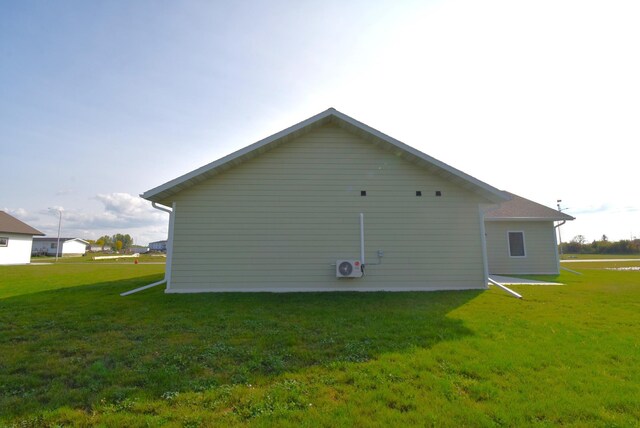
point(158, 246)
point(15, 240)
point(140, 249)
point(282, 214)
point(521, 237)
point(95, 248)
point(69, 246)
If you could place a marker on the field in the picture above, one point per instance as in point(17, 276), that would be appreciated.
point(73, 352)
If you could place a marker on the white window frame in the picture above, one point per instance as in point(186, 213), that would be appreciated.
point(524, 244)
point(4, 241)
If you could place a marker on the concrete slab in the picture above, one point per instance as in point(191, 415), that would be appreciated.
point(508, 280)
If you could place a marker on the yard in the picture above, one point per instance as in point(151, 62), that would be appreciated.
point(73, 352)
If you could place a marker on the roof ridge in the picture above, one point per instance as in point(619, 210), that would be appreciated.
point(164, 191)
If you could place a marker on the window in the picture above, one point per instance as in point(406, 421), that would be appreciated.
point(516, 244)
point(54, 245)
point(4, 242)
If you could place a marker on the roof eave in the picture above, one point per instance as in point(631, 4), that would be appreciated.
point(164, 191)
point(567, 218)
point(23, 233)
point(489, 192)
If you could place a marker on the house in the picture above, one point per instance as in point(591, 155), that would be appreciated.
point(158, 246)
point(521, 237)
point(328, 204)
point(15, 240)
point(69, 246)
point(140, 249)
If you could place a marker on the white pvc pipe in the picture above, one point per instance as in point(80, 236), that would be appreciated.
point(126, 293)
point(132, 256)
point(362, 239)
point(508, 290)
point(569, 270)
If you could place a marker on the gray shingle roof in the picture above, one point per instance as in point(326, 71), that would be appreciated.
point(10, 224)
point(519, 208)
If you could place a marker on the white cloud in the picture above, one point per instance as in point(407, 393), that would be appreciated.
point(21, 214)
point(121, 213)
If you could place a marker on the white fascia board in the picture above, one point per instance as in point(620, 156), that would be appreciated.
point(497, 195)
point(149, 194)
point(155, 194)
point(526, 219)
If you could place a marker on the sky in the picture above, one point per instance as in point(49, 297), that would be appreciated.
point(101, 101)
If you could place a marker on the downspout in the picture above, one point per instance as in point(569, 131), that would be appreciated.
point(555, 235)
point(362, 239)
point(167, 271)
point(483, 240)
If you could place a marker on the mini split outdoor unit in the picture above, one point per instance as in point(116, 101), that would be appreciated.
point(348, 269)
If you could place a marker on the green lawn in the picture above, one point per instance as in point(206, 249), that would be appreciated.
point(73, 352)
point(88, 258)
point(569, 257)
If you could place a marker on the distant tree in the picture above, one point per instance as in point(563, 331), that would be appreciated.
point(126, 240)
point(578, 245)
point(104, 241)
point(118, 245)
point(579, 239)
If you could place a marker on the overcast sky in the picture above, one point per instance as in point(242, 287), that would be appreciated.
point(103, 100)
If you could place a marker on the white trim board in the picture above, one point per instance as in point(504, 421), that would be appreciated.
point(331, 115)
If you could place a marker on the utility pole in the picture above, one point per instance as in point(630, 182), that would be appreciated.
point(559, 235)
point(59, 225)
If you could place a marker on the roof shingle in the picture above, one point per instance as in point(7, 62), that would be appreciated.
point(10, 224)
point(519, 208)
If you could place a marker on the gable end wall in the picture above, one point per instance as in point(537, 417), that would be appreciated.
point(280, 221)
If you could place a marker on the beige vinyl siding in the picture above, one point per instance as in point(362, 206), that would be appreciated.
point(280, 221)
point(540, 247)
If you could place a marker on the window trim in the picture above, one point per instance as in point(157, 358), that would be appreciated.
point(524, 244)
point(4, 241)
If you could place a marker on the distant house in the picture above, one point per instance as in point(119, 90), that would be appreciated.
point(69, 246)
point(139, 249)
point(158, 246)
point(521, 237)
point(15, 240)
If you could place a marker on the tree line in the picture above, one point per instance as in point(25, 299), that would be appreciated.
point(117, 242)
point(579, 245)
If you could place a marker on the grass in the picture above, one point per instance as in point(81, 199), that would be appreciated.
point(568, 257)
point(73, 352)
point(88, 258)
